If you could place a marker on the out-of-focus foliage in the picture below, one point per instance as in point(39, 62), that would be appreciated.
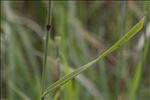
point(86, 28)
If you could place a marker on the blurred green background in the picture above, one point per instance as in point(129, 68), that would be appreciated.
point(86, 29)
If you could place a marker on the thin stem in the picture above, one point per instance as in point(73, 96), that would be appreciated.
point(58, 41)
point(46, 47)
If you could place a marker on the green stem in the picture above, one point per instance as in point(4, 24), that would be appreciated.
point(46, 49)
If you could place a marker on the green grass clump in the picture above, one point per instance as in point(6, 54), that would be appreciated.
point(35, 63)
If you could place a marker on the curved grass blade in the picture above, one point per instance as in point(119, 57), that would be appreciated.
point(119, 43)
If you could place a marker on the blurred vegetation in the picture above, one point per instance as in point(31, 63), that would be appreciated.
point(86, 29)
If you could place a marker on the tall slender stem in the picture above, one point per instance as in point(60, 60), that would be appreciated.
point(48, 30)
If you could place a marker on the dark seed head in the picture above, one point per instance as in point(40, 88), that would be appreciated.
point(48, 27)
point(42, 98)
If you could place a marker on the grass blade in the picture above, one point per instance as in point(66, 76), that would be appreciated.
point(119, 43)
point(138, 73)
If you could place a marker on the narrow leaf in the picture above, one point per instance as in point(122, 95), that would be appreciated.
point(119, 43)
point(138, 72)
